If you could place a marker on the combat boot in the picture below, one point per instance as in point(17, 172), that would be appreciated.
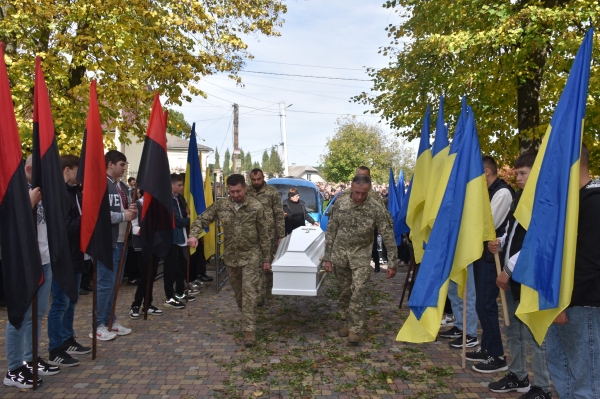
point(343, 332)
point(353, 339)
point(249, 339)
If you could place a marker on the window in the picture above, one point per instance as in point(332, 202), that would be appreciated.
point(308, 176)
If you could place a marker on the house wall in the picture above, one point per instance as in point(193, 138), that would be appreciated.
point(314, 177)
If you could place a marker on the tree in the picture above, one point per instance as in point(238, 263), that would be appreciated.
point(255, 165)
point(217, 163)
point(266, 165)
point(275, 162)
point(248, 162)
point(242, 159)
point(227, 164)
point(133, 48)
point(358, 143)
point(510, 58)
point(177, 125)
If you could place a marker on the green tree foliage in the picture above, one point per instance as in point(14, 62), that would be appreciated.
point(275, 162)
point(241, 157)
point(256, 165)
point(217, 157)
point(248, 162)
point(177, 125)
point(133, 48)
point(510, 58)
point(266, 164)
point(227, 163)
point(358, 143)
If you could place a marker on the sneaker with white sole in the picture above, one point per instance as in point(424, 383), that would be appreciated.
point(119, 329)
point(491, 365)
point(21, 377)
point(478, 355)
point(72, 347)
point(509, 383)
point(174, 303)
point(43, 367)
point(447, 320)
point(103, 334)
point(458, 342)
point(134, 312)
point(154, 311)
point(536, 393)
point(453, 332)
point(59, 357)
point(185, 298)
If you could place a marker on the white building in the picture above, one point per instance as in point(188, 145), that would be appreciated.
point(306, 172)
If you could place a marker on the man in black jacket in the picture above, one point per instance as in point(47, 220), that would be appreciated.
point(60, 318)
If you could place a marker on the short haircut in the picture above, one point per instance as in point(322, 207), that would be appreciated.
point(69, 161)
point(525, 160)
point(256, 170)
point(490, 163)
point(130, 179)
point(361, 180)
point(176, 178)
point(364, 168)
point(585, 155)
point(114, 157)
point(236, 179)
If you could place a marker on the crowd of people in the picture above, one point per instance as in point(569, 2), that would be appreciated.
point(254, 223)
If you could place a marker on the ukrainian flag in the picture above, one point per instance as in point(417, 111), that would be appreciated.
point(414, 215)
point(463, 223)
point(193, 190)
point(209, 238)
point(400, 187)
point(393, 207)
point(549, 206)
point(402, 227)
point(439, 154)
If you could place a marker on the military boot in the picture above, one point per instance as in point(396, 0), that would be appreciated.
point(343, 332)
point(353, 339)
point(249, 339)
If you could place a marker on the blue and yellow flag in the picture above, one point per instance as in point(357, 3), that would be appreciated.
point(439, 154)
point(416, 204)
point(393, 207)
point(549, 206)
point(400, 187)
point(209, 238)
point(402, 226)
point(463, 223)
point(193, 190)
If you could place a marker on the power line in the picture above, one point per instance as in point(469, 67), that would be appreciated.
point(308, 76)
point(254, 98)
point(311, 66)
point(311, 81)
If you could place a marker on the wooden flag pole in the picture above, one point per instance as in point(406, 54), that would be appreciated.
point(94, 308)
point(34, 336)
point(464, 335)
point(502, 294)
point(118, 279)
point(149, 283)
point(187, 279)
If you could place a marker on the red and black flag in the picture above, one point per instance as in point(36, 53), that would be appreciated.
point(96, 227)
point(156, 230)
point(47, 175)
point(21, 264)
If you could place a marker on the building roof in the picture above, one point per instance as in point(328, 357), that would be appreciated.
point(297, 171)
point(175, 143)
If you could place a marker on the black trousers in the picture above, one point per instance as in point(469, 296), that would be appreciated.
point(175, 271)
point(140, 292)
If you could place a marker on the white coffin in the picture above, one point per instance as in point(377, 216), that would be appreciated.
point(296, 268)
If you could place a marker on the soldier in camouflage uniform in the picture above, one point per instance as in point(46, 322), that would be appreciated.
point(247, 246)
point(269, 197)
point(348, 244)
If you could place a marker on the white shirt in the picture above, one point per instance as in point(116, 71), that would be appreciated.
point(42, 233)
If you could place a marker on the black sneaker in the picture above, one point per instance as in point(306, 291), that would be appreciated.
point(73, 347)
point(155, 311)
point(477, 356)
point(61, 358)
point(134, 312)
point(454, 332)
point(510, 382)
point(174, 303)
point(491, 365)
point(43, 367)
point(458, 342)
point(182, 298)
point(536, 393)
point(20, 377)
point(204, 277)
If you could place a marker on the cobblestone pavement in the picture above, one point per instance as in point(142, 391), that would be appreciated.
point(198, 352)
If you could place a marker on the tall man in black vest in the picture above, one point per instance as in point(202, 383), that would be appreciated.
point(490, 356)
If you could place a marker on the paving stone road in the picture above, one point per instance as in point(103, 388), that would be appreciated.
point(198, 353)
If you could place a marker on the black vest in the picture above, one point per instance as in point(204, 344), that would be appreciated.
point(496, 186)
point(516, 244)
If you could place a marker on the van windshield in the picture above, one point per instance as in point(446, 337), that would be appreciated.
point(307, 194)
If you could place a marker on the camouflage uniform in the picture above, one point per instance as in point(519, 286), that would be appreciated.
point(246, 247)
point(269, 198)
point(348, 244)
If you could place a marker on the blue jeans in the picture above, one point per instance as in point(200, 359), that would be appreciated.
point(574, 354)
point(60, 317)
point(487, 308)
point(106, 281)
point(517, 335)
point(19, 343)
point(457, 304)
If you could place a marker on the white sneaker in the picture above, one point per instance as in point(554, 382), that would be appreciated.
point(447, 320)
point(103, 334)
point(119, 329)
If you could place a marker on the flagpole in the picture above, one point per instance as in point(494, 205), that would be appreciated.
point(114, 305)
point(94, 307)
point(502, 294)
point(464, 335)
point(187, 279)
point(149, 283)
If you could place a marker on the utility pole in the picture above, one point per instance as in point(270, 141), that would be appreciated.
point(236, 151)
point(286, 170)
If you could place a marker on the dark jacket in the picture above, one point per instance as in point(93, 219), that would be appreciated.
point(493, 189)
point(295, 220)
point(516, 243)
point(181, 222)
point(116, 215)
point(74, 228)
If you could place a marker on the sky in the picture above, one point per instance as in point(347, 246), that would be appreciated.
point(333, 38)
